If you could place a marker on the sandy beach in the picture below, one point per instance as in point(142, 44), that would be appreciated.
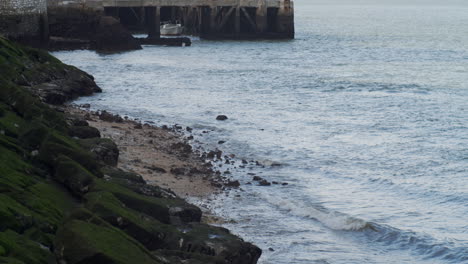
point(162, 156)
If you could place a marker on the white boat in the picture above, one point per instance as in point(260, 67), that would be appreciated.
point(170, 29)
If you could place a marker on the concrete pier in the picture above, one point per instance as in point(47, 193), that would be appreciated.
point(225, 19)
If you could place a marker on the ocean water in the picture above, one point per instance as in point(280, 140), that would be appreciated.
point(366, 111)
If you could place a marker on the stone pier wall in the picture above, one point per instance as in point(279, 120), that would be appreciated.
point(24, 20)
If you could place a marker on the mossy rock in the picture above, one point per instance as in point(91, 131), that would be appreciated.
point(84, 242)
point(14, 171)
point(150, 232)
point(33, 136)
point(14, 215)
point(57, 144)
point(11, 123)
point(104, 149)
point(128, 177)
point(74, 176)
point(23, 249)
point(45, 239)
point(6, 260)
point(135, 182)
point(165, 210)
point(11, 144)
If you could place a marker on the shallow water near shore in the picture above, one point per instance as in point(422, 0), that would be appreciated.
point(366, 111)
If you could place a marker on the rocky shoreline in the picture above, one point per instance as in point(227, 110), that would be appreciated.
point(160, 155)
point(66, 197)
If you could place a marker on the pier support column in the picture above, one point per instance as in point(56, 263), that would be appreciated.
point(153, 20)
point(213, 16)
point(261, 17)
point(286, 18)
point(237, 27)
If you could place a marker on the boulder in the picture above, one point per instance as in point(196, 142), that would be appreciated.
point(221, 117)
point(111, 36)
point(84, 132)
point(106, 116)
point(72, 175)
point(234, 184)
point(105, 149)
point(87, 241)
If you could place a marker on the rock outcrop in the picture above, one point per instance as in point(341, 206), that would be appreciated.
point(72, 28)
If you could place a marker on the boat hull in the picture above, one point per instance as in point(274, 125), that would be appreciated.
point(171, 30)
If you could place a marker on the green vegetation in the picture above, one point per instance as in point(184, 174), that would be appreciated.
point(61, 202)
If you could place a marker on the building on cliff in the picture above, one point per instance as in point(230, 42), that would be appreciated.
point(24, 20)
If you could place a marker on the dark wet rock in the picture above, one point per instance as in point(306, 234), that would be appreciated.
point(275, 182)
point(221, 117)
point(261, 181)
point(189, 129)
point(84, 132)
point(104, 149)
point(216, 184)
point(138, 126)
point(106, 116)
point(182, 147)
point(79, 122)
point(271, 249)
point(221, 142)
point(264, 183)
point(184, 214)
point(257, 178)
point(245, 162)
point(195, 170)
point(87, 106)
point(212, 154)
point(190, 138)
point(58, 87)
point(234, 184)
point(156, 169)
point(284, 183)
point(178, 171)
